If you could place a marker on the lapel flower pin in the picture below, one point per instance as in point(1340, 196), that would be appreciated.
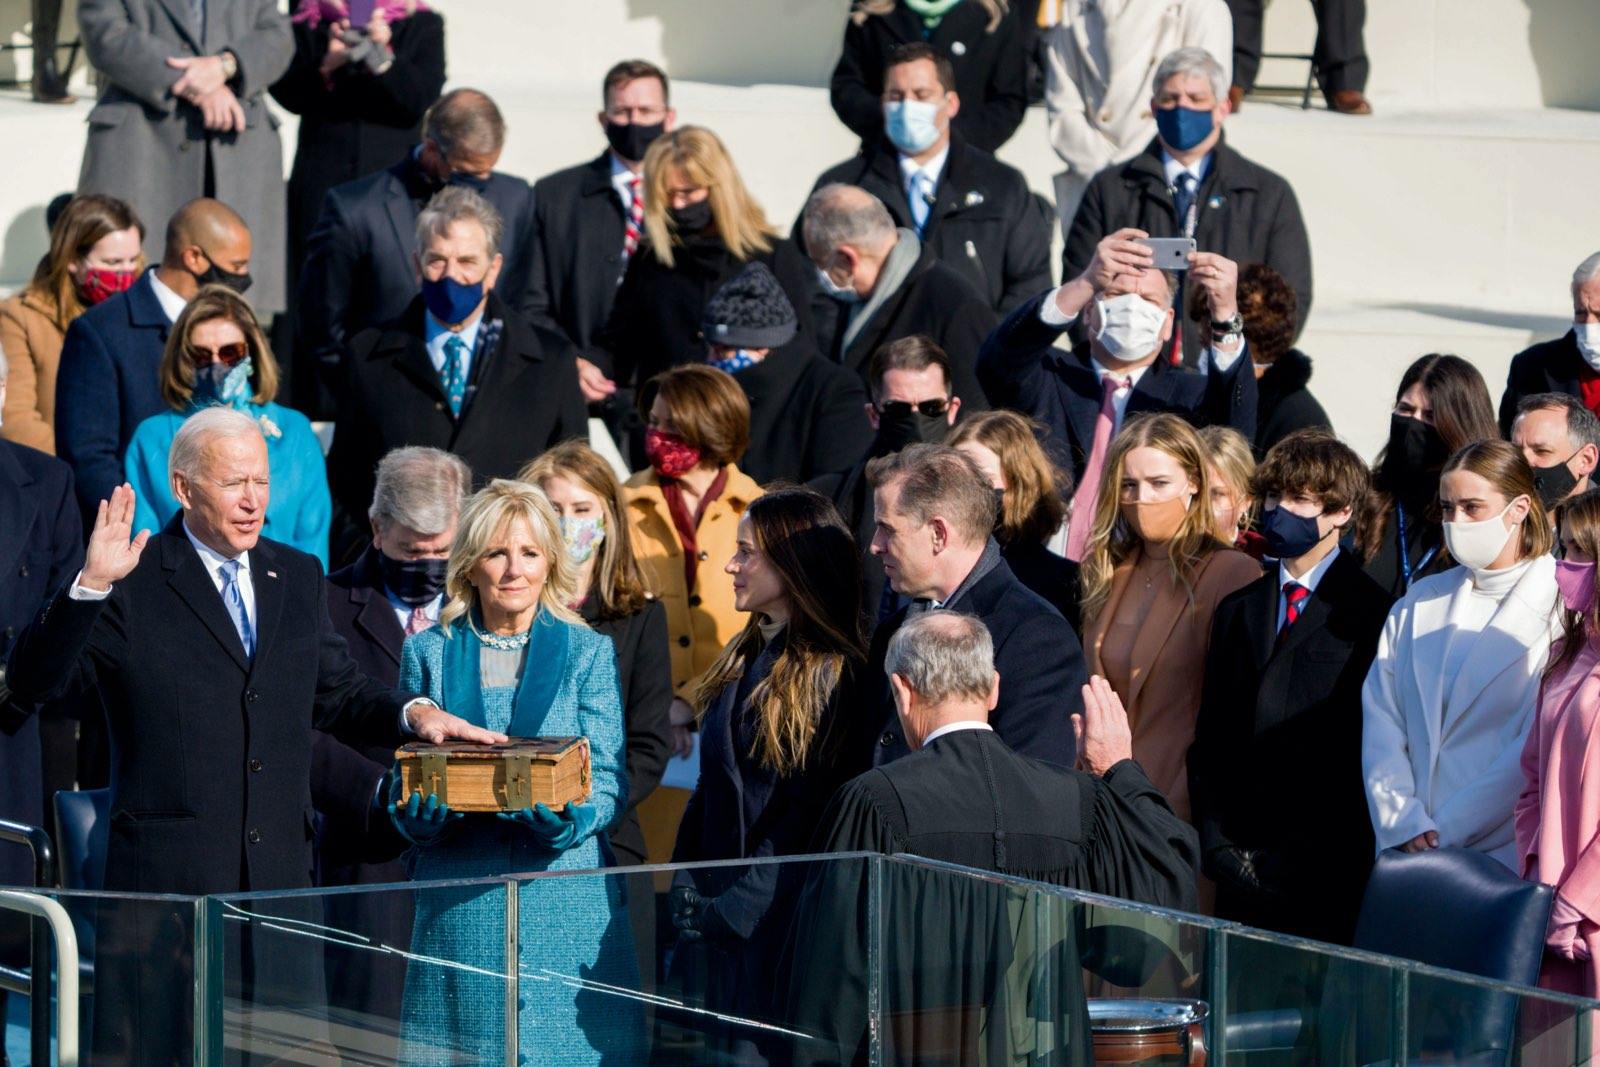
point(268, 427)
point(973, 199)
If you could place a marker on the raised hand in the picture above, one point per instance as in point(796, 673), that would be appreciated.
point(1218, 277)
point(1117, 254)
point(111, 555)
point(1102, 733)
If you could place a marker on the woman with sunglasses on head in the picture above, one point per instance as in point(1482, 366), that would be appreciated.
point(1558, 815)
point(217, 354)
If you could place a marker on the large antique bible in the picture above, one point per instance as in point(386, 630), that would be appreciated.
point(553, 771)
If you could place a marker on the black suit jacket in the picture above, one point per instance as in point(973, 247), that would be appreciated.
point(1247, 213)
point(985, 223)
point(521, 400)
point(41, 546)
point(575, 251)
point(1284, 402)
point(1020, 368)
point(1554, 366)
point(360, 266)
point(1276, 760)
point(806, 417)
point(1040, 663)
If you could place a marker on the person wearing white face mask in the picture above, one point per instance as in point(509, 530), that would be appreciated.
point(1569, 364)
point(1450, 697)
point(974, 212)
point(1083, 397)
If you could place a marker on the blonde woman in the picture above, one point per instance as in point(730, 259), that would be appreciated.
point(509, 651)
point(701, 227)
point(1152, 579)
point(1232, 465)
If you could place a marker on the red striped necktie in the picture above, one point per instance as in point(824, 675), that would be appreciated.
point(635, 224)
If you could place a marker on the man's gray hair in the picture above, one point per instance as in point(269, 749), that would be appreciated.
point(1583, 428)
point(839, 214)
point(1191, 60)
point(1587, 271)
point(465, 121)
point(189, 444)
point(453, 204)
point(420, 488)
point(943, 655)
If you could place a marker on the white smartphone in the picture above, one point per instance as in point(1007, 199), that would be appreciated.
point(1169, 253)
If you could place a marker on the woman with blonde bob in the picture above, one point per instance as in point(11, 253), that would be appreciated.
point(1231, 465)
point(1152, 579)
point(701, 227)
point(1032, 492)
point(218, 355)
point(1452, 692)
point(510, 654)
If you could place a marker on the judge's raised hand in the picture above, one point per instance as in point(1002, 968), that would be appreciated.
point(1422, 842)
point(1102, 733)
point(433, 724)
point(111, 555)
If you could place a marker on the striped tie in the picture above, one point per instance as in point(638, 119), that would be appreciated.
point(635, 225)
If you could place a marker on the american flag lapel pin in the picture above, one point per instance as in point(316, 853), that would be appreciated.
point(272, 574)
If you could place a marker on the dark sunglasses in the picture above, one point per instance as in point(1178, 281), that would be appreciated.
point(901, 408)
point(228, 355)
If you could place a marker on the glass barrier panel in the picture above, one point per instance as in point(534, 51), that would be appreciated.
point(1449, 1018)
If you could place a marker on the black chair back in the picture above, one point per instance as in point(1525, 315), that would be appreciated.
point(83, 827)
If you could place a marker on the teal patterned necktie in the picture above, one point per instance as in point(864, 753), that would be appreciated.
point(455, 380)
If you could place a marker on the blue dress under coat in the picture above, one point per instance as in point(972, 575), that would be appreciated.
point(573, 927)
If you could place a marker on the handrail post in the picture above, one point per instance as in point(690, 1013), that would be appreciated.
point(65, 940)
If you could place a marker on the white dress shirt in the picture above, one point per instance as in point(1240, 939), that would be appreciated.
point(402, 610)
point(952, 727)
point(933, 168)
point(1172, 168)
point(1119, 399)
point(622, 182)
point(438, 335)
point(172, 304)
point(1309, 579)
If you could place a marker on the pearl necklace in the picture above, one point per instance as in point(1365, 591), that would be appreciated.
point(504, 644)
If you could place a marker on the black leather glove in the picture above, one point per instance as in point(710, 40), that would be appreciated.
point(696, 917)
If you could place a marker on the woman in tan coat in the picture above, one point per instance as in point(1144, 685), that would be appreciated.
point(94, 255)
point(684, 512)
point(1151, 582)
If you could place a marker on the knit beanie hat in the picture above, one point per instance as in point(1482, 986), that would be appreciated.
point(750, 310)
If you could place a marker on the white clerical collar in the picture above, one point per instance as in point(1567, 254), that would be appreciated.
point(952, 727)
point(172, 304)
point(210, 556)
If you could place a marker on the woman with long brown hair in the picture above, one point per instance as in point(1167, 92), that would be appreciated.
point(94, 255)
point(1442, 406)
point(1152, 579)
point(776, 726)
point(1451, 694)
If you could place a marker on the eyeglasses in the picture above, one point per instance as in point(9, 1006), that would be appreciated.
point(901, 408)
point(228, 355)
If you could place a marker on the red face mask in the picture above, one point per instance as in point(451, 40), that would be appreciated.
point(99, 284)
point(669, 454)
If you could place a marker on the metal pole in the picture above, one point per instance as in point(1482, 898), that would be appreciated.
point(877, 1031)
point(65, 939)
point(513, 970)
point(1217, 1017)
point(209, 981)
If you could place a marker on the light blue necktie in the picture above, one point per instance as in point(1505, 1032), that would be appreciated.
point(921, 199)
point(455, 381)
point(235, 602)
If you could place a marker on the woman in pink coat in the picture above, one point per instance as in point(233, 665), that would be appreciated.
point(1558, 814)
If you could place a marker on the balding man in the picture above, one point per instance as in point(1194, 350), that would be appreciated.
point(109, 378)
point(359, 268)
point(964, 796)
point(212, 650)
point(883, 283)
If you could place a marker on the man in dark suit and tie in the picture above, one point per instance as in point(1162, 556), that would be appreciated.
point(215, 658)
point(359, 260)
point(1083, 397)
point(459, 370)
point(1567, 364)
point(1273, 772)
point(109, 380)
point(934, 514)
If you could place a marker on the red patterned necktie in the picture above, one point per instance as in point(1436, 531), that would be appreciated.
point(1294, 595)
point(635, 224)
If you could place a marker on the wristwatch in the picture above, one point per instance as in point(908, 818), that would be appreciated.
point(1227, 327)
point(230, 65)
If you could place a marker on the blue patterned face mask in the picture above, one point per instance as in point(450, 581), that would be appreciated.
point(218, 383)
point(735, 361)
point(583, 537)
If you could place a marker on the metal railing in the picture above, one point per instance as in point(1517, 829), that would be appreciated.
point(37, 977)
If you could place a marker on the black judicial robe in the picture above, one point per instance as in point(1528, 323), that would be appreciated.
point(950, 990)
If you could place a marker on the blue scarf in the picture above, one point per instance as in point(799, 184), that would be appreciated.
point(463, 685)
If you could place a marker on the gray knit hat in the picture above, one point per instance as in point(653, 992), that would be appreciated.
point(750, 310)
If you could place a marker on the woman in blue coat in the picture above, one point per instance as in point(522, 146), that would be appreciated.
point(509, 654)
point(217, 354)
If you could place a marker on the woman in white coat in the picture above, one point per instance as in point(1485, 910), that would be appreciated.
point(1451, 695)
point(1101, 57)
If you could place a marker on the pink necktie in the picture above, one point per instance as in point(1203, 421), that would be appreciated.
point(635, 224)
point(1083, 499)
point(418, 622)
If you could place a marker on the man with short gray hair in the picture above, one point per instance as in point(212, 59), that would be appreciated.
point(358, 260)
point(1190, 184)
point(964, 796)
point(881, 283)
point(1569, 364)
point(1560, 439)
point(460, 370)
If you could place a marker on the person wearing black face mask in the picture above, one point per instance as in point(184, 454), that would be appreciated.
point(1560, 439)
point(911, 403)
point(1442, 405)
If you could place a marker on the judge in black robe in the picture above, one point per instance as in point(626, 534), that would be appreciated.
point(953, 944)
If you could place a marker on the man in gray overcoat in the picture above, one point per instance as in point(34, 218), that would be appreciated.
point(184, 115)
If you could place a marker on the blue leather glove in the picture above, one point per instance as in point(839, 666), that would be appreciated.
point(418, 822)
point(555, 830)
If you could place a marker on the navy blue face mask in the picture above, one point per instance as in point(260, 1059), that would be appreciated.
point(449, 301)
point(1182, 128)
point(1289, 536)
point(414, 582)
